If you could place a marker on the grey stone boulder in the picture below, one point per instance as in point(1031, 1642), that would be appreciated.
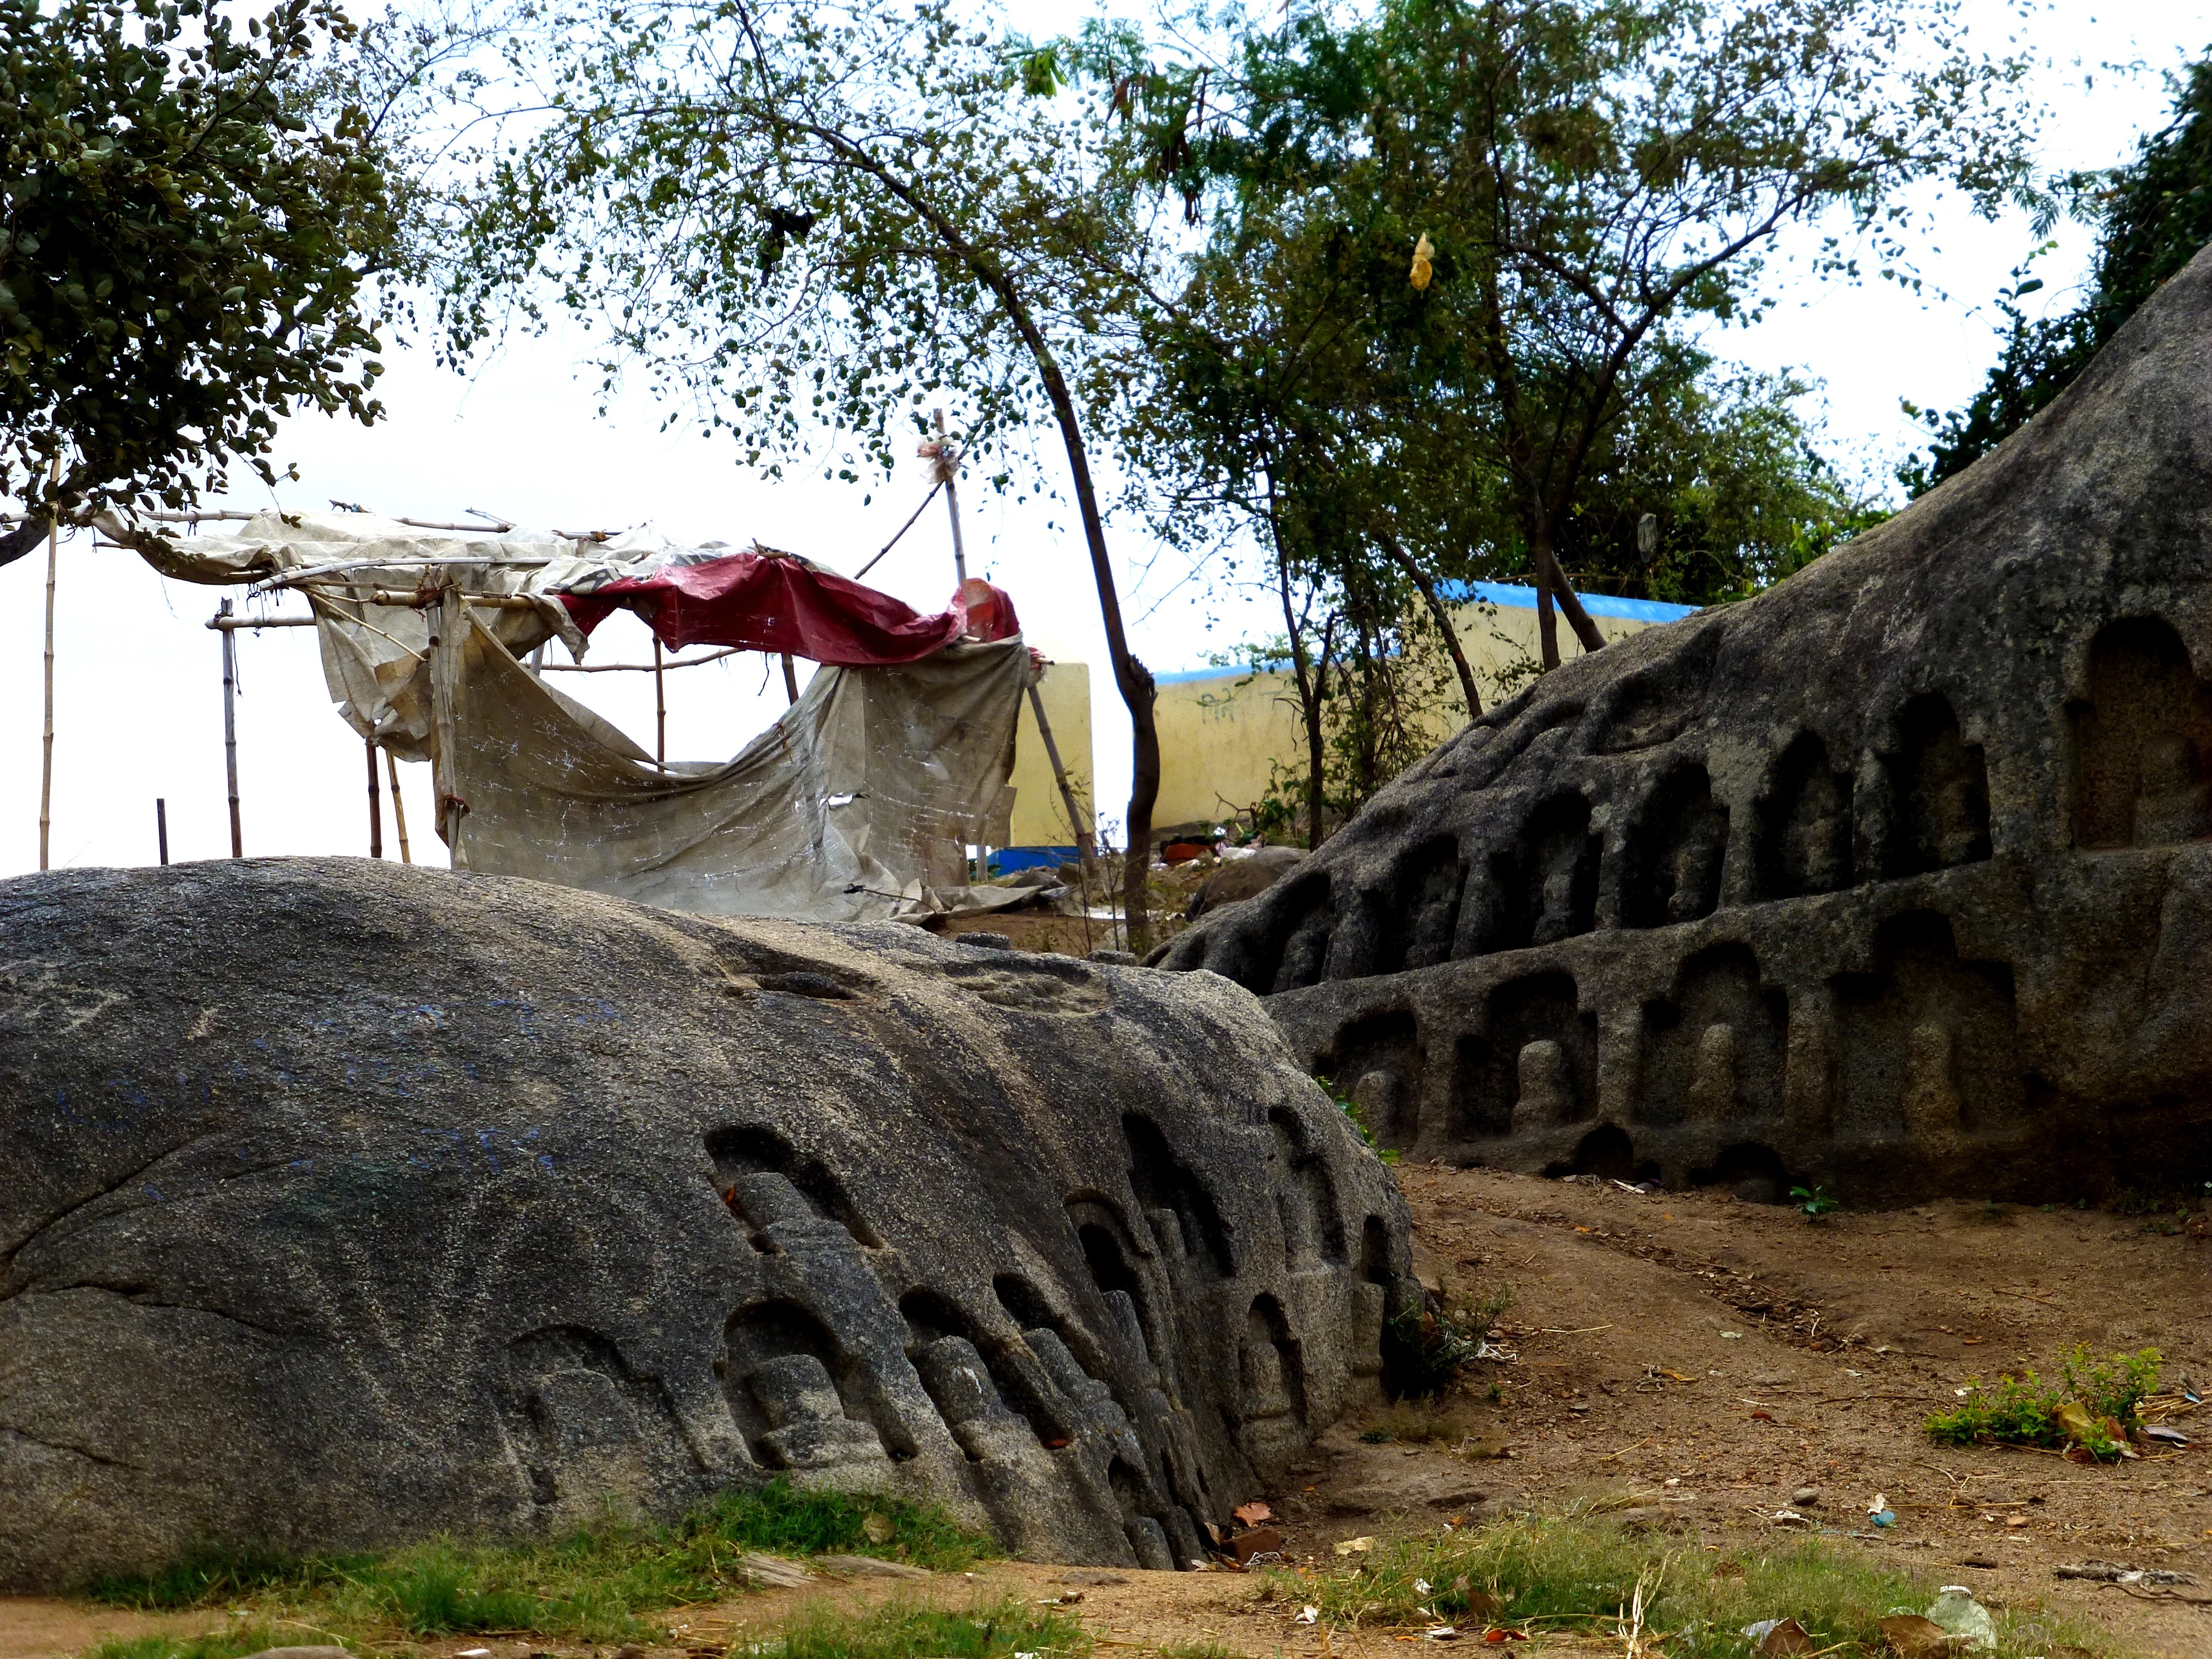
point(342, 1204)
point(1897, 879)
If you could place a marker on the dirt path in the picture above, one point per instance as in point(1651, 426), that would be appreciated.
point(1699, 1360)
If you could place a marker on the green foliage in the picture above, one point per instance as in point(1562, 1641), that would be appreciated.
point(1814, 1202)
point(1356, 1115)
point(1578, 1571)
point(234, 1639)
point(2153, 215)
point(799, 217)
point(1593, 184)
point(2025, 1411)
point(192, 207)
point(1425, 1349)
point(599, 1582)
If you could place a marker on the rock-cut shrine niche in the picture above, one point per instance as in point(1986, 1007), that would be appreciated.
point(1805, 841)
point(2142, 738)
point(1939, 787)
point(1674, 852)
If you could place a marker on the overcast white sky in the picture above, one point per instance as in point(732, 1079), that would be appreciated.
point(137, 683)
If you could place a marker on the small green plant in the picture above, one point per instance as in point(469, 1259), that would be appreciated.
point(1814, 1202)
point(599, 1582)
point(1356, 1114)
point(904, 1630)
point(1575, 1571)
point(1426, 1348)
point(2027, 1410)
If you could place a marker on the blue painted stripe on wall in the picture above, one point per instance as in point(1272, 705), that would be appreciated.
point(1598, 604)
point(1498, 594)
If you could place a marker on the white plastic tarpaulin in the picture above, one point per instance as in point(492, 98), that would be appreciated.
point(860, 802)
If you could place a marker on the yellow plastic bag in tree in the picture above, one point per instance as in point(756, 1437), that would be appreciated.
point(1423, 252)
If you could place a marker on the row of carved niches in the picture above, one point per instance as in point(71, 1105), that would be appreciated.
point(1557, 878)
point(831, 1383)
point(2141, 736)
point(1921, 1046)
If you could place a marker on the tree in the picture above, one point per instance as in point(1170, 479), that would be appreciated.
point(191, 212)
point(2153, 215)
point(807, 216)
point(1298, 390)
point(1542, 196)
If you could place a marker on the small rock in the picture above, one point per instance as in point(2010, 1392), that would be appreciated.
point(629, 1651)
point(1805, 1497)
point(1261, 1541)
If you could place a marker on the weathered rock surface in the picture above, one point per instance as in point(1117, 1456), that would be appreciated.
point(342, 1203)
point(1897, 879)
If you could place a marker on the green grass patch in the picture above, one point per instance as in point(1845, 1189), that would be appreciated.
point(904, 1631)
point(242, 1637)
point(2029, 1411)
point(601, 1583)
point(1578, 1571)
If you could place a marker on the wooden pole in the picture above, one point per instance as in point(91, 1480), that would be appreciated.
point(952, 505)
point(1085, 841)
point(398, 805)
point(375, 804)
point(790, 679)
point(46, 772)
point(447, 645)
point(659, 709)
point(162, 825)
point(230, 725)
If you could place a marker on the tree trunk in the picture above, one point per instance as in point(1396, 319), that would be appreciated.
point(1130, 677)
point(1550, 579)
point(1406, 563)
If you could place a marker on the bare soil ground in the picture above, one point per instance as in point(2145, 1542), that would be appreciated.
point(1691, 1359)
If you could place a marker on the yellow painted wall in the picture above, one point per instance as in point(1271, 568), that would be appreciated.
point(1221, 733)
point(1040, 817)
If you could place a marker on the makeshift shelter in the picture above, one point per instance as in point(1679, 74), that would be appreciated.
point(860, 802)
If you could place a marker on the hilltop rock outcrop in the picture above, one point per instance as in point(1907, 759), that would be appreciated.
point(342, 1204)
point(1897, 879)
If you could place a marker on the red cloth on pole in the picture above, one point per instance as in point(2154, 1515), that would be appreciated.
point(764, 604)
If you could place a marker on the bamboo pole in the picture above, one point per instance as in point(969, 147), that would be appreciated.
point(46, 770)
point(398, 805)
point(659, 709)
point(953, 504)
point(230, 725)
point(1085, 840)
point(447, 645)
point(375, 804)
point(634, 667)
point(162, 826)
point(790, 680)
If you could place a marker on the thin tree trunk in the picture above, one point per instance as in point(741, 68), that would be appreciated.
point(1555, 578)
point(1130, 677)
point(1406, 563)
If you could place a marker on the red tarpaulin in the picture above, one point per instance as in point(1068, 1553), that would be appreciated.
point(763, 603)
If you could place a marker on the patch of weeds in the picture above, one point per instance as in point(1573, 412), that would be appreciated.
point(2028, 1411)
point(239, 1639)
point(1814, 1202)
point(1356, 1115)
point(1414, 1428)
point(1425, 1349)
point(599, 1582)
point(1575, 1573)
point(904, 1631)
